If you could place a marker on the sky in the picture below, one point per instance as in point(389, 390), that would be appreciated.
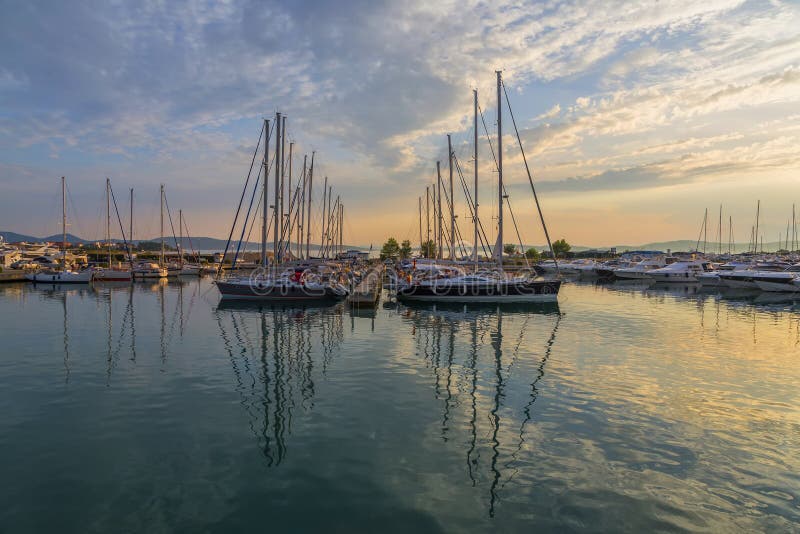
point(635, 116)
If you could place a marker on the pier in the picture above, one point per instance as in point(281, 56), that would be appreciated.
point(12, 275)
point(368, 291)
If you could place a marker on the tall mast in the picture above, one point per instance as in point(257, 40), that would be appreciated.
point(720, 229)
point(302, 208)
point(434, 218)
point(308, 220)
point(758, 216)
point(730, 233)
point(276, 207)
point(499, 170)
point(341, 228)
point(64, 223)
point(427, 219)
point(162, 225)
point(328, 235)
point(705, 231)
point(440, 229)
point(131, 230)
point(289, 212)
point(265, 199)
point(180, 235)
point(283, 218)
point(475, 155)
point(420, 223)
point(108, 219)
point(452, 201)
point(794, 230)
point(324, 214)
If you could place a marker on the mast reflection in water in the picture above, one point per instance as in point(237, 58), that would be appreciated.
point(473, 359)
point(271, 350)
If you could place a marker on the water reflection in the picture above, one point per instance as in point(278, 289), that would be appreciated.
point(476, 352)
point(272, 351)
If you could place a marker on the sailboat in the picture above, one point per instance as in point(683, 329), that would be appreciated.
point(267, 283)
point(148, 269)
point(111, 274)
point(447, 283)
point(63, 275)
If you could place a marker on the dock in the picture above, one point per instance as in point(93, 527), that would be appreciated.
point(368, 291)
point(12, 275)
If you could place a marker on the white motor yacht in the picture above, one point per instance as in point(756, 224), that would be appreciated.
point(712, 279)
point(641, 270)
point(781, 281)
point(681, 271)
point(148, 270)
point(745, 278)
point(61, 277)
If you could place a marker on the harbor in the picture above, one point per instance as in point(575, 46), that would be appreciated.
point(587, 400)
point(407, 267)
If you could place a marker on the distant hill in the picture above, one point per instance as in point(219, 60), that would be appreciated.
point(199, 243)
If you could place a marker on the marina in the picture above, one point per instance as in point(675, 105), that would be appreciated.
point(565, 411)
point(400, 267)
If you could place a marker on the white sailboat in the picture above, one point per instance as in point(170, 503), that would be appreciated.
point(64, 275)
point(111, 274)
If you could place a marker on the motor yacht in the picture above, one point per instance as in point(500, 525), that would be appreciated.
point(680, 271)
point(146, 270)
point(639, 271)
point(712, 278)
point(778, 281)
point(745, 278)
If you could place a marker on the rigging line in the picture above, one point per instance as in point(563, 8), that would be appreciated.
point(246, 218)
point(169, 215)
point(530, 178)
point(244, 191)
point(505, 191)
point(189, 237)
point(470, 204)
point(249, 208)
point(119, 219)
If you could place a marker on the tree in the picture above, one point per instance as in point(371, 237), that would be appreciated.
point(390, 249)
point(405, 249)
point(509, 248)
point(428, 249)
point(561, 247)
point(532, 254)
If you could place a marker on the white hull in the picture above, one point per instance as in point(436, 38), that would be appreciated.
point(677, 278)
point(740, 284)
point(113, 276)
point(632, 275)
point(68, 277)
point(711, 281)
point(777, 287)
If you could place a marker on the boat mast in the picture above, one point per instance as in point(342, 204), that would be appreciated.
point(755, 234)
point(291, 202)
point(420, 224)
point(180, 236)
point(452, 201)
point(324, 214)
point(63, 224)
point(475, 199)
point(310, 190)
point(162, 225)
point(705, 231)
point(276, 207)
point(328, 235)
point(131, 229)
point(341, 228)
point(302, 210)
point(265, 199)
point(283, 220)
point(720, 229)
point(439, 233)
point(108, 219)
point(499, 170)
point(427, 220)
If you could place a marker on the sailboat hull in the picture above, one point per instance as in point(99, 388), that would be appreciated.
point(235, 290)
point(61, 278)
point(527, 291)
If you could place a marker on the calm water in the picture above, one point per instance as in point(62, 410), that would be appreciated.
point(156, 409)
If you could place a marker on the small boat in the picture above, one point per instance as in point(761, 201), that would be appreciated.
point(61, 277)
point(681, 272)
point(146, 270)
point(112, 275)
